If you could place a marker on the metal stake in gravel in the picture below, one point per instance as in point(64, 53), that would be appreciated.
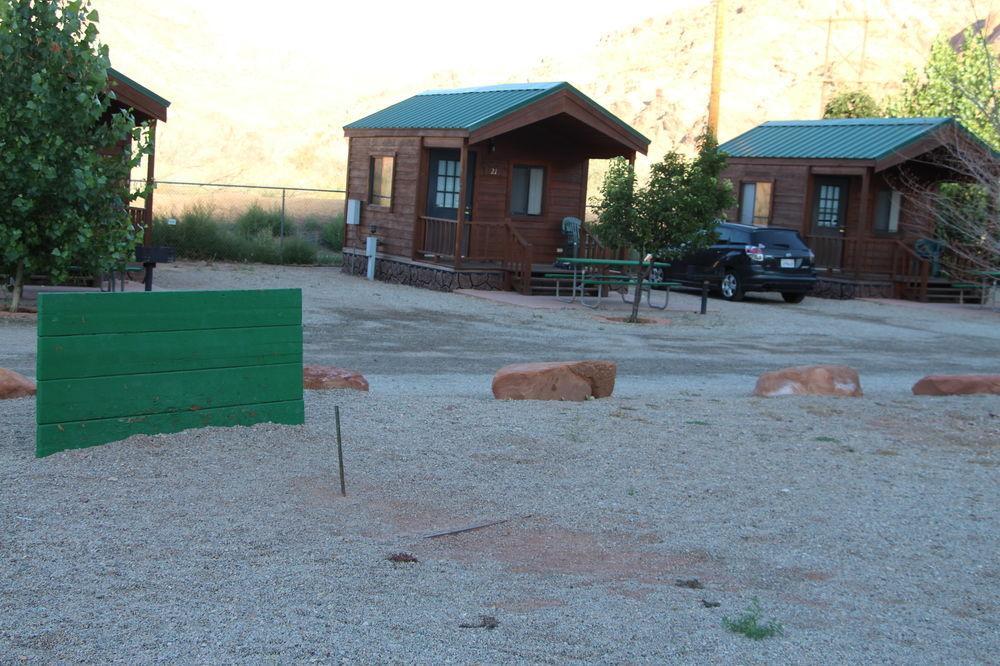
point(340, 451)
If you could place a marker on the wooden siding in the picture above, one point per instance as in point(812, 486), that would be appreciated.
point(394, 226)
point(114, 365)
point(564, 195)
point(788, 191)
point(564, 187)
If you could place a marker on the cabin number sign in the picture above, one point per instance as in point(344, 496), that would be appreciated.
point(494, 168)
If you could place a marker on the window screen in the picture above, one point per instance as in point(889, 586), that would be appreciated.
point(887, 205)
point(755, 204)
point(526, 190)
point(380, 181)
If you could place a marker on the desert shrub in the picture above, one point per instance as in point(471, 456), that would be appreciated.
point(200, 234)
point(256, 220)
point(333, 234)
point(298, 251)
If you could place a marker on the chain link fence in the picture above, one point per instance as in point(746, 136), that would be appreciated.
point(270, 224)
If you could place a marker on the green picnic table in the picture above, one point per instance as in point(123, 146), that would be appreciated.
point(990, 279)
point(588, 272)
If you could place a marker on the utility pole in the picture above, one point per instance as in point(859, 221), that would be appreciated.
point(717, 50)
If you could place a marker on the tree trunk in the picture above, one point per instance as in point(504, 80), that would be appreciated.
point(15, 301)
point(634, 319)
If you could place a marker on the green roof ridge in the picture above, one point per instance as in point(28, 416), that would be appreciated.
point(138, 86)
point(531, 93)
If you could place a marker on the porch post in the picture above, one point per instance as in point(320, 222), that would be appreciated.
point(861, 239)
point(460, 214)
point(147, 217)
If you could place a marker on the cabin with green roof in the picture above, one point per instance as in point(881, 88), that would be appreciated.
point(469, 187)
point(146, 107)
point(853, 189)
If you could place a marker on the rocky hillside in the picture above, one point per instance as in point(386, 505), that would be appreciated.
point(247, 116)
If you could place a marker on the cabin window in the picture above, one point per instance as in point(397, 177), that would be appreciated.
point(755, 203)
point(526, 190)
point(380, 181)
point(887, 206)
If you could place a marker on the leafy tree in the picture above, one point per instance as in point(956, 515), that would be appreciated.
point(65, 154)
point(852, 104)
point(961, 82)
point(956, 82)
point(674, 213)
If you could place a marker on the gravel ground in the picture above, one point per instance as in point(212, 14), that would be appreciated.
point(867, 527)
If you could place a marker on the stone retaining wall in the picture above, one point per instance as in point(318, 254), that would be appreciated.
point(843, 289)
point(398, 271)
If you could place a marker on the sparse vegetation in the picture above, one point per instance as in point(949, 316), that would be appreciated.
point(199, 233)
point(256, 220)
point(853, 104)
point(748, 623)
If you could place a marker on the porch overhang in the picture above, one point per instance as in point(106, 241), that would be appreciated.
point(562, 105)
point(144, 103)
point(480, 114)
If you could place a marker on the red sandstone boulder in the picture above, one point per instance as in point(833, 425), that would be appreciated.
point(15, 385)
point(328, 377)
point(957, 385)
point(561, 380)
point(810, 380)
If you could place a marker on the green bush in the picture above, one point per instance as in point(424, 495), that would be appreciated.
point(200, 234)
point(256, 221)
point(332, 236)
point(298, 251)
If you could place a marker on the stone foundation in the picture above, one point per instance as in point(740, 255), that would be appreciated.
point(846, 289)
point(399, 271)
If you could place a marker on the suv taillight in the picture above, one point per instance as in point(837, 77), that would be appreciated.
point(755, 252)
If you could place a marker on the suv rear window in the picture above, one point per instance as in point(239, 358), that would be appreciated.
point(731, 235)
point(784, 239)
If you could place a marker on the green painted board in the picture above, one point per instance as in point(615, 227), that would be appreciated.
point(61, 400)
point(113, 365)
point(65, 357)
point(90, 313)
point(55, 437)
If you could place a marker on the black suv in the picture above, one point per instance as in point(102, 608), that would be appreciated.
point(748, 258)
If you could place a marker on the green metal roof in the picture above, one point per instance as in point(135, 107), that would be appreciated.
point(843, 138)
point(471, 108)
point(138, 86)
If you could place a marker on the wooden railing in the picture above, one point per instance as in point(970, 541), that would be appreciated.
point(138, 217)
point(518, 260)
point(591, 246)
point(436, 236)
point(486, 242)
point(911, 273)
point(854, 256)
point(481, 241)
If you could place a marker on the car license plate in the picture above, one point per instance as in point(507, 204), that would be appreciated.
point(788, 263)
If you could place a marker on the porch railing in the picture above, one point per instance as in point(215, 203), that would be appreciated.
point(481, 241)
point(893, 259)
point(138, 217)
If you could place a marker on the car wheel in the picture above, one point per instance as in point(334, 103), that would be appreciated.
point(731, 287)
point(792, 297)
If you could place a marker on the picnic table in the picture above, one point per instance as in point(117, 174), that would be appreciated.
point(609, 273)
point(989, 293)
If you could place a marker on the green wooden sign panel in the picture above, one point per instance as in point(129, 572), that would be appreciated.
point(114, 365)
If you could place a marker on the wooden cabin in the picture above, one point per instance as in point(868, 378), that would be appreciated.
point(146, 106)
point(847, 186)
point(469, 187)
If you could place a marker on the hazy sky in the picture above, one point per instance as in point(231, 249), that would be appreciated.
point(367, 40)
